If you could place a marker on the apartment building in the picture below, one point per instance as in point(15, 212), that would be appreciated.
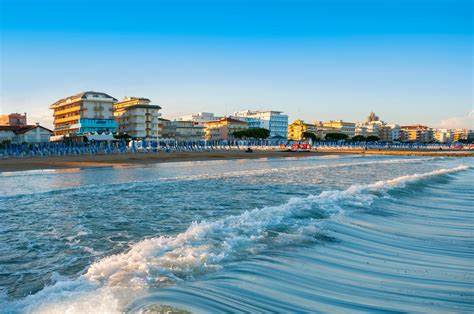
point(86, 112)
point(223, 128)
point(443, 135)
point(416, 133)
point(340, 126)
point(137, 117)
point(298, 127)
point(373, 126)
point(182, 130)
point(274, 121)
point(390, 133)
point(200, 117)
point(13, 119)
point(463, 134)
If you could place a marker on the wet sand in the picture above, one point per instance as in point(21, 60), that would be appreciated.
point(130, 159)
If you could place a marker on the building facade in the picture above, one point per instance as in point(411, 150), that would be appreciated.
point(87, 112)
point(390, 133)
point(443, 135)
point(373, 126)
point(463, 134)
point(25, 134)
point(182, 130)
point(200, 117)
point(274, 121)
point(298, 127)
point(340, 126)
point(13, 119)
point(223, 128)
point(137, 117)
point(416, 133)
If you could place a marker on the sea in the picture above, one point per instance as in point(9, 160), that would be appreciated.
point(320, 234)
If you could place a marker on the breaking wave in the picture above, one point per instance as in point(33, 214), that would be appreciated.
point(111, 283)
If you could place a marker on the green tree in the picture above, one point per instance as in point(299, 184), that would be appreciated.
point(359, 138)
point(257, 133)
point(311, 135)
point(239, 134)
point(373, 138)
point(122, 136)
point(336, 136)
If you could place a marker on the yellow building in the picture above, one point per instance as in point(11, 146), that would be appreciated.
point(297, 128)
point(340, 126)
point(223, 129)
point(416, 133)
point(137, 117)
point(87, 112)
point(462, 134)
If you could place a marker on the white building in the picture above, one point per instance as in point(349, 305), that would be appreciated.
point(361, 130)
point(274, 121)
point(138, 118)
point(182, 130)
point(392, 132)
point(25, 134)
point(373, 126)
point(200, 117)
point(444, 135)
point(86, 112)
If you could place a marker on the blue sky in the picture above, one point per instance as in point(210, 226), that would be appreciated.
point(408, 60)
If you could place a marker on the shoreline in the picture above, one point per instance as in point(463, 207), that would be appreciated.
point(129, 159)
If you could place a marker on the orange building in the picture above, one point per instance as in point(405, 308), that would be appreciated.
point(223, 129)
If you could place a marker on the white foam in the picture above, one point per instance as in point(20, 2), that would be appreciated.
point(109, 284)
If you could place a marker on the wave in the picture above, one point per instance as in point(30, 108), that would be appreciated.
point(85, 189)
point(109, 284)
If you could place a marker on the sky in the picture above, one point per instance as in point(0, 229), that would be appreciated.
point(410, 61)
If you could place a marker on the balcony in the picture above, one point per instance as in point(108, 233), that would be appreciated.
point(67, 119)
point(69, 110)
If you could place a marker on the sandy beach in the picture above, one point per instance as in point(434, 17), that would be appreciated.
point(130, 159)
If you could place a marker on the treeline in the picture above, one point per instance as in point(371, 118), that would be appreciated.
point(258, 133)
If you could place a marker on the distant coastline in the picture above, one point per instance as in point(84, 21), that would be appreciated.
point(135, 159)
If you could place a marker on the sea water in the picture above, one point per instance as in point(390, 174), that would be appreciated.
point(312, 234)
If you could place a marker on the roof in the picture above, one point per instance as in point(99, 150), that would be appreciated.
point(81, 95)
point(416, 126)
point(20, 129)
point(140, 106)
point(228, 120)
point(134, 98)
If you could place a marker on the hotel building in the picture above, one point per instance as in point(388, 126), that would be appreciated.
point(463, 134)
point(87, 112)
point(416, 133)
point(340, 126)
point(224, 128)
point(297, 128)
point(373, 126)
point(200, 117)
point(443, 135)
point(274, 121)
point(181, 130)
point(390, 133)
point(137, 117)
